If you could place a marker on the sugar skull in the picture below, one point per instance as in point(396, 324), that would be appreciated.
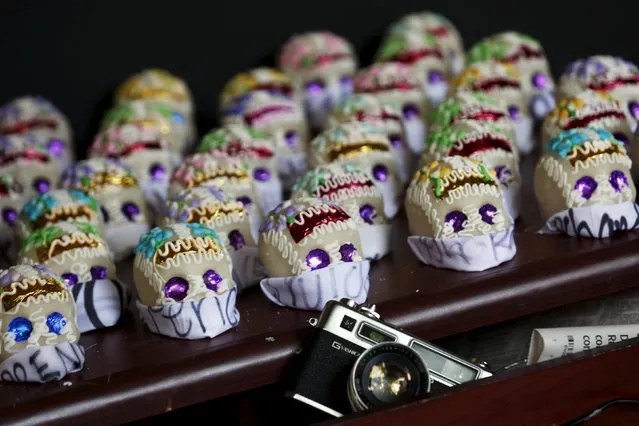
point(349, 186)
point(34, 115)
point(525, 53)
point(160, 85)
point(257, 150)
point(78, 253)
point(210, 206)
point(501, 81)
point(368, 108)
point(124, 210)
point(439, 27)
point(29, 163)
point(38, 328)
point(184, 278)
point(262, 79)
point(281, 118)
point(486, 143)
point(11, 201)
point(584, 186)
point(456, 216)
point(312, 252)
point(321, 65)
point(398, 84)
point(145, 151)
point(423, 53)
point(366, 145)
point(588, 109)
point(154, 114)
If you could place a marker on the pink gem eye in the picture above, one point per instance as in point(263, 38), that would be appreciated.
point(314, 87)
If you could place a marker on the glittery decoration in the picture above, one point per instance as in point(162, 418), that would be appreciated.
point(317, 259)
point(130, 211)
point(9, 215)
point(69, 278)
point(56, 322)
point(513, 111)
point(367, 213)
point(540, 80)
point(564, 142)
point(98, 272)
point(212, 280)
point(410, 112)
point(56, 147)
point(236, 239)
point(633, 107)
point(618, 180)
point(41, 185)
point(347, 251)
point(21, 328)
point(157, 172)
point(487, 213)
point(380, 172)
point(261, 174)
point(300, 231)
point(245, 200)
point(153, 240)
point(586, 186)
point(456, 219)
point(176, 288)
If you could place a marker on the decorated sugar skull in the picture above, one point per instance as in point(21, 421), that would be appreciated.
point(312, 252)
point(218, 169)
point(366, 145)
point(321, 65)
point(456, 216)
point(368, 108)
point(614, 75)
point(588, 109)
point(124, 210)
point(486, 143)
point(210, 206)
point(584, 186)
point(184, 278)
point(78, 253)
point(29, 163)
point(525, 53)
point(422, 52)
point(262, 79)
point(35, 115)
point(11, 201)
point(501, 81)
point(398, 84)
point(160, 85)
point(349, 186)
point(257, 150)
point(281, 118)
point(60, 205)
point(145, 151)
point(439, 27)
point(38, 328)
point(154, 114)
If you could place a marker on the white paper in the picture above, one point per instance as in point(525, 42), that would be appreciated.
point(512, 200)
point(269, 193)
point(43, 363)
point(551, 343)
point(122, 238)
point(406, 162)
point(196, 319)
point(314, 289)
point(155, 194)
point(247, 268)
point(436, 93)
point(291, 166)
point(541, 104)
point(596, 221)
point(375, 240)
point(100, 303)
point(415, 134)
point(524, 134)
point(465, 253)
point(391, 193)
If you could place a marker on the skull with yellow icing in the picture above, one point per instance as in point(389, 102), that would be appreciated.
point(11, 201)
point(262, 79)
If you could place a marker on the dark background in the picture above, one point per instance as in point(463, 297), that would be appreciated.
point(75, 52)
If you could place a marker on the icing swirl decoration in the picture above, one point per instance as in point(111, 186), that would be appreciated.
point(59, 206)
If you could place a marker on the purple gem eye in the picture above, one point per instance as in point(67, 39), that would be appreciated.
point(586, 186)
point(487, 213)
point(157, 172)
point(236, 239)
point(41, 185)
point(380, 172)
point(504, 175)
point(410, 111)
point(314, 87)
point(346, 81)
point(69, 278)
point(395, 140)
point(176, 288)
point(9, 215)
point(618, 180)
point(456, 219)
point(130, 211)
point(540, 80)
point(261, 174)
point(246, 201)
point(435, 77)
point(212, 280)
point(633, 107)
point(56, 147)
point(98, 272)
point(317, 259)
point(513, 111)
point(367, 213)
point(290, 138)
point(105, 214)
point(347, 251)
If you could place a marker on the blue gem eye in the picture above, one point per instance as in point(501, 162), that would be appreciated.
point(177, 118)
point(56, 322)
point(21, 328)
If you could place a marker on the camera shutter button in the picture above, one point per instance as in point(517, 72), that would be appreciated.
point(370, 312)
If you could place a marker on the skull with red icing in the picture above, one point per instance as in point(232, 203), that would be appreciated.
point(11, 201)
point(262, 79)
point(26, 159)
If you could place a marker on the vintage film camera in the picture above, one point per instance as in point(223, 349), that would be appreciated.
point(357, 361)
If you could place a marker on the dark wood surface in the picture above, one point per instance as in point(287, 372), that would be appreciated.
point(550, 393)
point(131, 373)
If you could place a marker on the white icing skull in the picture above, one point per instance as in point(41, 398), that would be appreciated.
point(398, 84)
point(124, 210)
point(321, 65)
point(11, 201)
point(261, 79)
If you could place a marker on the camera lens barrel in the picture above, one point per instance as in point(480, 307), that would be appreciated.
point(387, 373)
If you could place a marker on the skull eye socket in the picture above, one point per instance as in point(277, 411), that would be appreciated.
point(105, 214)
point(380, 172)
point(395, 140)
point(56, 148)
point(98, 272)
point(290, 137)
point(9, 215)
point(41, 185)
point(315, 87)
point(347, 252)
point(69, 278)
point(21, 328)
point(435, 77)
point(261, 174)
point(367, 213)
point(130, 210)
point(456, 220)
point(176, 288)
point(317, 259)
point(56, 322)
point(488, 213)
point(586, 186)
point(618, 180)
point(513, 111)
point(410, 111)
point(245, 200)
point(156, 172)
point(236, 239)
point(177, 118)
point(212, 280)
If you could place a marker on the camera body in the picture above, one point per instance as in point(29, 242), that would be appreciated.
point(344, 331)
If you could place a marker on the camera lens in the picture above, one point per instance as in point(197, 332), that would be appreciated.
point(387, 373)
